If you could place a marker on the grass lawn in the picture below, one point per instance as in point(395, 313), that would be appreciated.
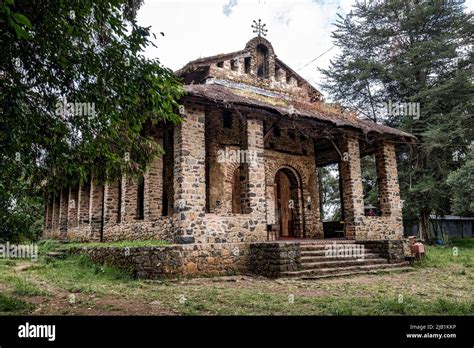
point(441, 285)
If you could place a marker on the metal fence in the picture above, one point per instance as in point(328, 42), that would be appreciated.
point(440, 226)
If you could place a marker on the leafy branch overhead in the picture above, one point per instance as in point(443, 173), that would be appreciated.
point(77, 94)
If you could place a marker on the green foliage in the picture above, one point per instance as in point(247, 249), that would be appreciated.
point(411, 52)
point(462, 187)
point(12, 305)
point(369, 181)
point(83, 52)
point(331, 198)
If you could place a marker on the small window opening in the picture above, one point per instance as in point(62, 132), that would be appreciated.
point(227, 119)
point(247, 65)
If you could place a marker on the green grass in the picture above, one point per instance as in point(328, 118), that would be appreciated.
point(46, 246)
point(25, 288)
point(440, 285)
point(78, 273)
point(467, 243)
point(12, 305)
point(438, 256)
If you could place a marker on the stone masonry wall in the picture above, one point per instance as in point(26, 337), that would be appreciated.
point(271, 259)
point(174, 260)
point(359, 226)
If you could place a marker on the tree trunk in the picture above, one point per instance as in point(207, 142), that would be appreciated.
point(424, 225)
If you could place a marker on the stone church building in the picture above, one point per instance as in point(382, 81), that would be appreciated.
point(241, 172)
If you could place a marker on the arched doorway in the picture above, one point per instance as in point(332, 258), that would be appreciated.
point(287, 203)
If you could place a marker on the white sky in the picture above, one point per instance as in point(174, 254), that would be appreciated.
point(299, 30)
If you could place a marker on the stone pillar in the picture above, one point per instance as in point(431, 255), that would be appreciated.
point(55, 213)
point(130, 199)
point(255, 201)
point(241, 65)
point(112, 203)
point(72, 207)
point(312, 213)
point(83, 204)
point(63, 209)
point(189, 172)
point(123, 192)
point(95, 209)
point(352, 192)
point(387, 175)
point(154, 188)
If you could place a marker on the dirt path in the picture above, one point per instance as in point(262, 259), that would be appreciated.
point(58, 301)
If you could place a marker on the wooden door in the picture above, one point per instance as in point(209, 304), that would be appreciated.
point(283, 196)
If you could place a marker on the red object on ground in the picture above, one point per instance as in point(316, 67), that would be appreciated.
point(418, 249)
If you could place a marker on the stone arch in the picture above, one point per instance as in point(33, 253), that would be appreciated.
point(260, 44)
point(302, 173)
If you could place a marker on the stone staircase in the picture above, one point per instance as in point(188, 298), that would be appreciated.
point(316, 262)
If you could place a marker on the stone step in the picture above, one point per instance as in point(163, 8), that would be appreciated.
point(352, 273)
point(342, 264)
point(319, 247)
point(322, 258)
point(341, 270)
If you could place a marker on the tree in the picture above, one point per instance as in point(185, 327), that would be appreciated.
point(329, 193)
point(77, 97)
point(411, 53)
point(462, 188)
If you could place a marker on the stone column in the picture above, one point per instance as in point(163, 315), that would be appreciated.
point(130, 199)
point(55, 213)
point(387, 175)
point(83, 204)
point(189, 172)
point(123, 192)
point(154, 188)
point(255, 168)
point(72, 207)
point(95, 209)
point(352, 192)
point(63, 209)
point(112, 203)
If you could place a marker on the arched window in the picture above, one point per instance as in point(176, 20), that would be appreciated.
point(263, 67)
point(236, 206)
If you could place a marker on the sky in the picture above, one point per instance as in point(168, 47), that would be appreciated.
point(299, 30)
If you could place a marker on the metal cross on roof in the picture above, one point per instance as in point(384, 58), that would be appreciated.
point(259, 28)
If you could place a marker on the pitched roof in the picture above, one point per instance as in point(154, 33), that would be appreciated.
point(223, 95)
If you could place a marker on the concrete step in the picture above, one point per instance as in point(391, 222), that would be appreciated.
point(342, 264)
point(318, 272)
point(322, 258)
